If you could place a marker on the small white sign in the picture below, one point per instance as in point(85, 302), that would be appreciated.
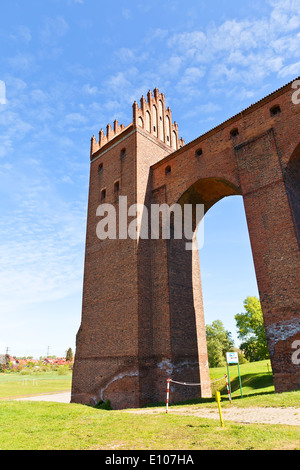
point(232, 358)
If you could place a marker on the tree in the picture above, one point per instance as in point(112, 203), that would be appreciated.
point(69, 355)
point(219, 342)
point(251, 330)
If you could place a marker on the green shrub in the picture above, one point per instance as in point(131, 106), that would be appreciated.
point(62, 370)
point(103, 405)
point(26, 371)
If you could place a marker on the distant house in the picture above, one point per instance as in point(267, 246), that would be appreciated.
point(56, 361)
point(32, 361)
point(48, 360)
point(22, 362)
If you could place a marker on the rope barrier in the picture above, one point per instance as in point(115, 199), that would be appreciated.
point(190, 385)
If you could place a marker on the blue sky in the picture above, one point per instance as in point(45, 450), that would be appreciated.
point(72, 66)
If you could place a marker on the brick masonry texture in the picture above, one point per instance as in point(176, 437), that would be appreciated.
point(142, 313)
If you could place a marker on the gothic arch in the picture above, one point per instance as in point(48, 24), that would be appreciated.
point(208, 191)
point(292, 181)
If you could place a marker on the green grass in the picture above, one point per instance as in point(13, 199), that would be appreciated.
point(53, 426)
point(56, 426)
point(257, 387)
point(15, 385)
point(256, 378)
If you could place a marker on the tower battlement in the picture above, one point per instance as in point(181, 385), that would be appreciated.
point(111, 133)
point(152, 116)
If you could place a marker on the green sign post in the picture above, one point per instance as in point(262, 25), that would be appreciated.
point(233, 358)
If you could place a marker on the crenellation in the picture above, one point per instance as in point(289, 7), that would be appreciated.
point(111, 133)
point(149, 96)
point(143, 103)
point(94, 145)
point(155, 118)
point(152, 116)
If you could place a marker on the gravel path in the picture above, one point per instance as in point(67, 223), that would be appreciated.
point(253, 415)
point(62, 397)
point(267, 415)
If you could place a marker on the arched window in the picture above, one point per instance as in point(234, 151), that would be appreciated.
point(174, 140)
point(234, 132)
point(123, 153)
point(292, 183)
point(275, 110)
point(140, 121)
point(168, 137)
point(161, 121)
point(148, 122)
point(103, 195)
point(100, 168)
point(117, 187)
point(154, 120)
point(168, 170)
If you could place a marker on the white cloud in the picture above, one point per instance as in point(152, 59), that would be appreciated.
point(22, 34)
point(242, 50)
point(171, 66)
point(191, 76)
point(12, 125)
point(22, 62)
point(53, 29)
point(126, 13)
point(6, 145)
point(38, 96)
point(2, 92)
point(285, 16)
point(292, 69)
point(119, 81)
point(42, 241)
point(202, 109)
point(72, 121)
point(90, 90)
point(157, 33)
point(125, 54)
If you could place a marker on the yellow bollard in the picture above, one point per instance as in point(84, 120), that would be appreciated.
point(218, 400)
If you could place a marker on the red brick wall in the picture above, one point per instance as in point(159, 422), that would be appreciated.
point(255, 164)
point(142, 317)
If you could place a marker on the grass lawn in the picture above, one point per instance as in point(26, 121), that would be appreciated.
point(256, 378)
point(14, 385)
point(56, 426)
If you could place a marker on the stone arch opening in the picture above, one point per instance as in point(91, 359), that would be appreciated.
point(228, 275)
point(292, 182)
point(215, 193)
point(207, 191)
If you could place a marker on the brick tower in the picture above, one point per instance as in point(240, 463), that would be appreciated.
point(132, 336)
